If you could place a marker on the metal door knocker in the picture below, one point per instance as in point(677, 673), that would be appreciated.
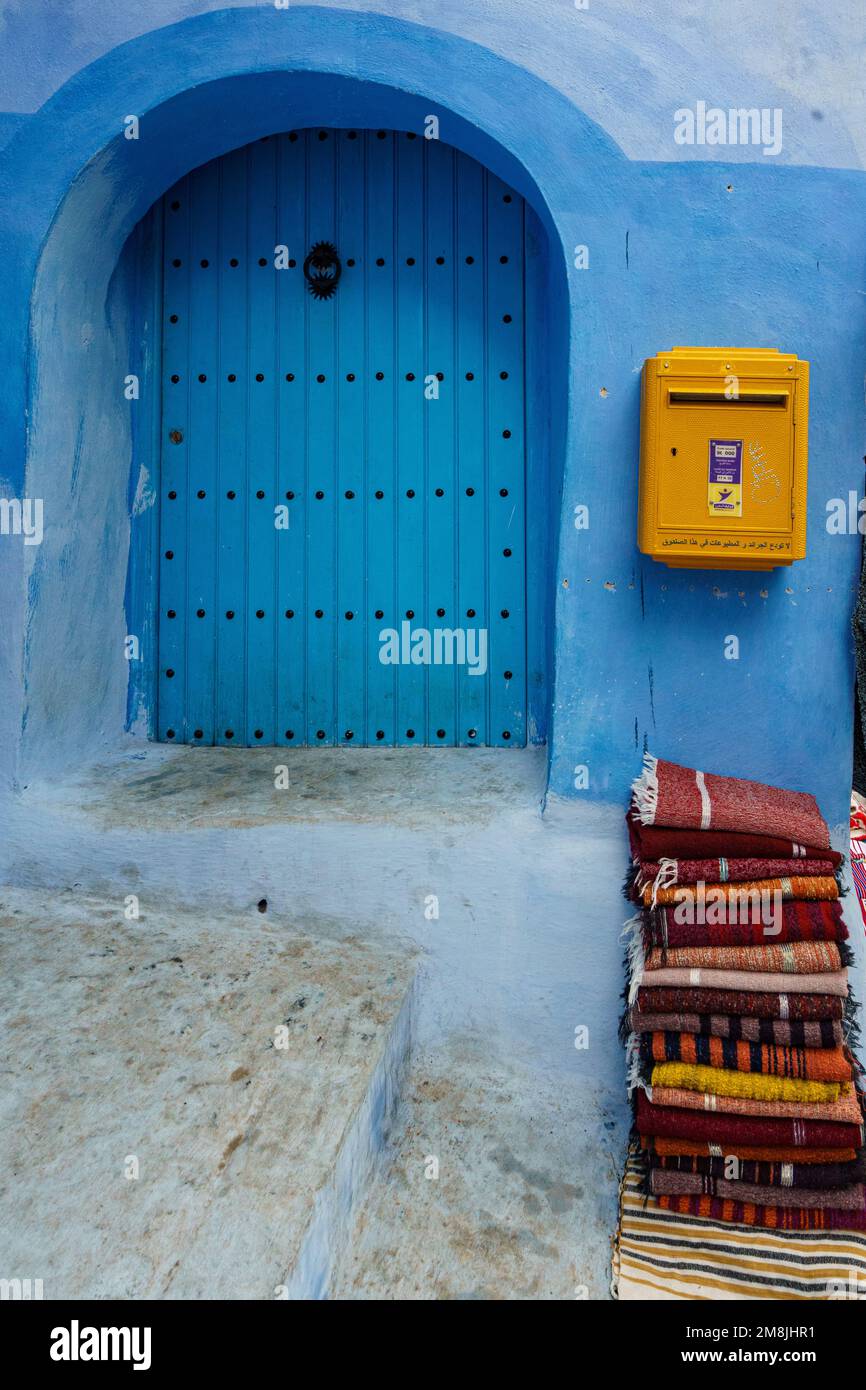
point(322, 270)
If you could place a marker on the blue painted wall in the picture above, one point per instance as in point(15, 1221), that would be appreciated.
point(686, 245)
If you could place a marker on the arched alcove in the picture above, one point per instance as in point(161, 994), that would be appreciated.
point(90, 449)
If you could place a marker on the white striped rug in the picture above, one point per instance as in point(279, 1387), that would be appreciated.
point(662, 1254)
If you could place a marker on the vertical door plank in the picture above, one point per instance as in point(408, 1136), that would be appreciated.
point(506, 470)
point(351, 487)
point(470, 510)
point(382, 447)
point(261, 481)
point(321, 454)
point(292, 605)
point(173, 615)
point(410, 489)
point(202, 369)
point(233, 493)
point(440, 497)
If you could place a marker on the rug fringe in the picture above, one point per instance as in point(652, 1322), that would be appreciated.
point(851, 1022)
point(633, 932)
point(665, 878)
point(629, 885)
point(635, 1070)
point(645, 790)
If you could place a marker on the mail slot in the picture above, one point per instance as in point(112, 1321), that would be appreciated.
point(724, 458)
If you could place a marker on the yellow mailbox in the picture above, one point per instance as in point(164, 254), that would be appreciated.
point(723, 458)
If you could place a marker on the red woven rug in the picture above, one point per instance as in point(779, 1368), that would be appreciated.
point(672, 842)
point(667, 794)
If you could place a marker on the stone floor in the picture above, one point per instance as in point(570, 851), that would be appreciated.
point(436, 886)
point(498, 1186)
point(185, 1096)
point(441, 944)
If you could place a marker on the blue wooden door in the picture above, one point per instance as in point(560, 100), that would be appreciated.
point(342, 493)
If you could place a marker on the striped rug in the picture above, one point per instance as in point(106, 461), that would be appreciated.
point(858, 873)
point(663, 1255)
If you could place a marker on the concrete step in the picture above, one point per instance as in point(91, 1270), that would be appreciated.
point(193, 1102)
point(501, 1185)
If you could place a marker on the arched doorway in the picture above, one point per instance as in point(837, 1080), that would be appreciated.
point(90, 659)
point(342, 480)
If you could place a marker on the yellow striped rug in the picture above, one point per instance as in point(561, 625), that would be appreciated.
point(662, 1254)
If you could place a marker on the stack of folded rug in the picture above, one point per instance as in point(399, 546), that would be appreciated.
point(739, 1020)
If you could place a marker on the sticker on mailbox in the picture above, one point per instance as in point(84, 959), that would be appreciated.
point(725, 490)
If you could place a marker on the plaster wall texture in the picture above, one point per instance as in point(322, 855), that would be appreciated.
point(688, 244)
point(626, 63)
